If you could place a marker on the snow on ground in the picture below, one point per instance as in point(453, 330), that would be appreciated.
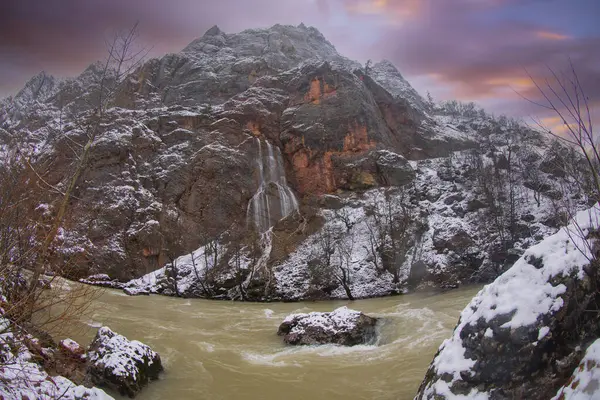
point(191, 268)
point(22, 378)
point(365, 279)
point(443, 204)
point(524, 292)
point(585, 381)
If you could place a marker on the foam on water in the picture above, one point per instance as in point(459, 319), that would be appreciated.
point(93, 324)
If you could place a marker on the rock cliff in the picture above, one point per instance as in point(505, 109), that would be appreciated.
point(259, 165)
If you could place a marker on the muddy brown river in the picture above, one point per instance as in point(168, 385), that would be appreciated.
point(221, 350)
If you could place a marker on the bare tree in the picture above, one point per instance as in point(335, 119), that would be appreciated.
point(563, 95)
point(201, 275)
point(321, 266)
point(368, 67)
point(119, 63)
point(392, 230)
point(34, 216)
point(345, 248)
point(344, 215)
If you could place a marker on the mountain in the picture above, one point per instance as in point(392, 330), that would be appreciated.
point(264, 165)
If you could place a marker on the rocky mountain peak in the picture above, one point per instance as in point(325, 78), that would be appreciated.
point(40, 87)
point(214, 31)
point(284, 45)
point(386, 66)
point(388, 76)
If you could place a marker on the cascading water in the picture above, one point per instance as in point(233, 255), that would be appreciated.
point(273, 199)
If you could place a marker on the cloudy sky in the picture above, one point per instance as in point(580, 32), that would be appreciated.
point(475, 50)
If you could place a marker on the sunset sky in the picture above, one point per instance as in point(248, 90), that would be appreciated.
point(466, 49)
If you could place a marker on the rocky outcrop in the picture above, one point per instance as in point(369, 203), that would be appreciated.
point(523, 335)
point(120, 364)
point(342, 326)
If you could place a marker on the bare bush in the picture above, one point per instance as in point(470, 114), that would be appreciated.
point(34, 216)
point(563, 95)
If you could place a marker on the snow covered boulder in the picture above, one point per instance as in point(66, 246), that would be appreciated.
point(342, 326)
point(522, 336)
point(102, 280)
point(120, 364)
point(136, 291)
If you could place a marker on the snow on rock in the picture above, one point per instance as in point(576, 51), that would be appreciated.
point(454, 241)
point(388, 76)
point(120, 364)
point(102, 280)
point(22, 378)
point(516, 331)
point(71, 348)
point(133, 291)
point(341, 326)
point(182, 131)
point(584, 384)
point(184, 276)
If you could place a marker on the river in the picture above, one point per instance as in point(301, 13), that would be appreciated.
point(221, 350)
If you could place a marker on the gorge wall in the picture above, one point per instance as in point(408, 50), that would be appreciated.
point(203, 151)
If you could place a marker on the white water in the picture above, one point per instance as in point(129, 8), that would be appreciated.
point(273, 199)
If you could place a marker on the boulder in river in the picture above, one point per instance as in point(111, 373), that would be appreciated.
point(102, 280)
point(342, 326)
point(135, 291)
point(121, 364)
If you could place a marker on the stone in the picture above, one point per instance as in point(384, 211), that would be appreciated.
point(456, 240)
point(120, 364)
point(342, 326)
point(453, 198)
point(331, 202)
point(102, 280)
point(71, 348)
point(585, 381)
point(134, 291)
point(475, 204)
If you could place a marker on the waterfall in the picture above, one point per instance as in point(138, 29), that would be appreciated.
point(273, 199)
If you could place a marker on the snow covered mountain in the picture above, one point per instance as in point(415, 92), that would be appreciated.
point(265, 165)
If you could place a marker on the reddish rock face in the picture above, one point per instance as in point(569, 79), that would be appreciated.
point(318, 90)
point(357, 140)
point(314, 170)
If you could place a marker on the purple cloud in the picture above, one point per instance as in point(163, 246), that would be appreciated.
point(472, 50)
